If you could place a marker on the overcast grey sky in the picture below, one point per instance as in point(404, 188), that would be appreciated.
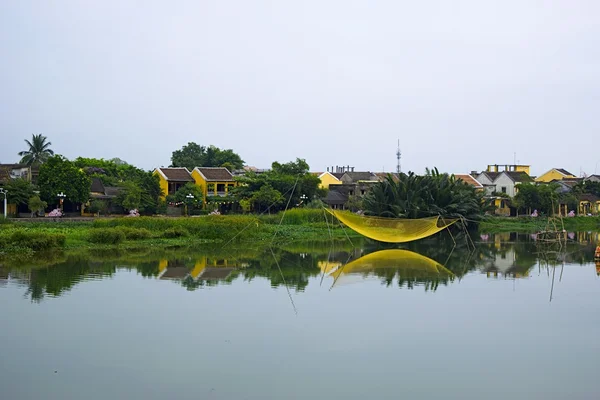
point(460, 83)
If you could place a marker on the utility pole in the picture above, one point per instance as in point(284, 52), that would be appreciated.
point(4, 192)
point(398, 155)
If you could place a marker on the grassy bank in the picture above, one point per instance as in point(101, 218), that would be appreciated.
point(537, 224)
point(26, 238)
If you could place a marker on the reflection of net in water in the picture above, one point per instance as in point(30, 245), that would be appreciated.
point(392, 230)
point(408, 267)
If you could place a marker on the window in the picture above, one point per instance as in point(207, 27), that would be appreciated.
point(503, 189)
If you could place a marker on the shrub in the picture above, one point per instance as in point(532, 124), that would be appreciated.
point(35, 240)
point(135, 233)
point(175, 232)
point(106, 236)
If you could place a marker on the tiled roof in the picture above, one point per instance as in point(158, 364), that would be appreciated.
point(216, 174)
point(177, 174)
point(97, 186)
point(519, 176)
point(112, 190)
point(383, 176)
point(588, 197)
point(564, 171)
point(568, 182)
point(468, 179)
point(360, 176)
point(335, 197)
point(491, 175)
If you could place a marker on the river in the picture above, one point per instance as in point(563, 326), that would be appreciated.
point(511, 318)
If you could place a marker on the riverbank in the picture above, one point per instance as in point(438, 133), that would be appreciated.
point(25, 238)
point(538, 224)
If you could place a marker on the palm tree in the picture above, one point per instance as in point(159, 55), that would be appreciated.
point(39, 150)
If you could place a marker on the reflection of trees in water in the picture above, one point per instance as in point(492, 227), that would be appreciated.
point(504, 254)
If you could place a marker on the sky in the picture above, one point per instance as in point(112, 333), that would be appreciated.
point(461, 84)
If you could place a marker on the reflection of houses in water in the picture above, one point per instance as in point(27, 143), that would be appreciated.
point(588, 237)
point(204, 269)
point(505, 263)
point(328, 266)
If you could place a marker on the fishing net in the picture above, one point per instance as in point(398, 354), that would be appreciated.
point(392, 230)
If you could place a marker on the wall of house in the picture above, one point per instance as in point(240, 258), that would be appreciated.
point(504, 181)
point(200, 181)
point(484, 180)
point(328, 179)
point(552, 175)
point(164, 185)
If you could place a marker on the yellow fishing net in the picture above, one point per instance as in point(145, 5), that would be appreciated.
point(404, 263)
point(392, 230)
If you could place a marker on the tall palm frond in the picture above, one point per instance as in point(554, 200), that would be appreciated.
point(38, 152)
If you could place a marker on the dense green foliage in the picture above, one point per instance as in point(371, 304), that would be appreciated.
point(106, 235)
point(587, 187)
point(414, 196)
point(57, 175)
point(135, 233)
point(181, 196)
point(98, 206)
point(36, 204)
point(176, 232)
point(193, 155)
point(19, 191)
point(32, 240)
point(38, 152)
point(544, 198)
point(141, 188)
point(272, 189)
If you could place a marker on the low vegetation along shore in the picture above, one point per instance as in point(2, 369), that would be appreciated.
point(26, 238)
point(236, 230)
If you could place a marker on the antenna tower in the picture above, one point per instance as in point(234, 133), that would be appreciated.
point(398, 155)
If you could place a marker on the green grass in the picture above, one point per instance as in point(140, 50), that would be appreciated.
point(241, 231)
point(529, 224)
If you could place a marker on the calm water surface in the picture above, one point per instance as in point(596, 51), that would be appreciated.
point(512, 319)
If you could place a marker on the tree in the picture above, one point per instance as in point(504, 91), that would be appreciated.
point(36, 204)
point(116, 172)
point(58, 175)
point(189, 188)
point(544, 197)
point(266, 196)
point(193, 155)
point(528, 198)
point(414, 196)
point(291, 179)
point(19, 191)
point(99, 206)
point(39, 150)
point(130, 197)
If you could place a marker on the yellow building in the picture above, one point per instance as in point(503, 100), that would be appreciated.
point(589, 204)
point(172, 179)
point(555, 174)
point(327, 178)
point(508, 168)
point(214, 181)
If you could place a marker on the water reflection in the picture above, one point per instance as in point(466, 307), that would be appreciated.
point(426, 263)
point(406, 267)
